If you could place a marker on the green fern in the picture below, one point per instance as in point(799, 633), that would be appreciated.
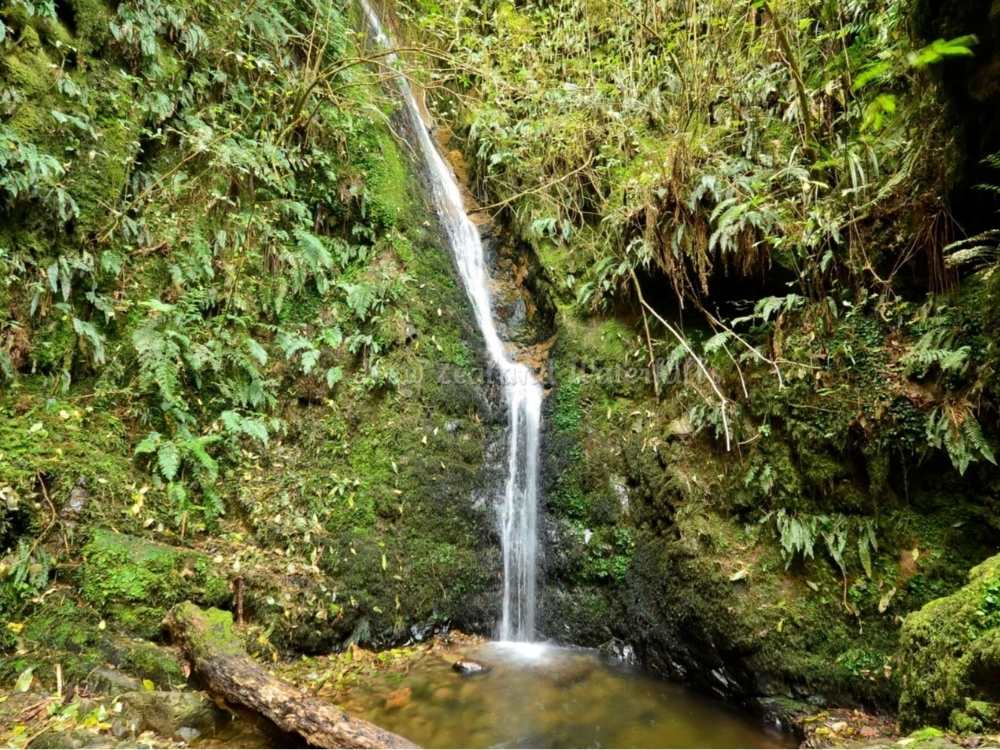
point(958, 432)
point(799, 534)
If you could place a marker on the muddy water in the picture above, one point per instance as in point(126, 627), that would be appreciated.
point(536, 696)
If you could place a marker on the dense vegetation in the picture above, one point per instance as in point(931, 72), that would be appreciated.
point(236, 368)
point(233, 356)
point(760, 204)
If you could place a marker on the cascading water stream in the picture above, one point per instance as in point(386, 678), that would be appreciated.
point(517, 510)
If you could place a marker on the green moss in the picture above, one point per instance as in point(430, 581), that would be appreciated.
point(135, 581)
point(566, 411)
point(146, 660)
point(215, 631)
point(387, 177)
point(91, 19)
point(925, 734)
point(63, 439)
point(60, 629)
point(950, 652)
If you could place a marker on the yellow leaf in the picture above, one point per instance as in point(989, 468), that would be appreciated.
point(148, 685)
point(23, 684)
point(15, 627)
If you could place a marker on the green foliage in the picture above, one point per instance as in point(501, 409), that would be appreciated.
point(688, 142)
point(28, 174)
point(982, 249)
point(799, 535)
point(25, 574)
point(181, 211)
point(989, 610)
point(958, 432)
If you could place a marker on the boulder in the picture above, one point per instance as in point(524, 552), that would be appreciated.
point(170, 713)
point(135, 581)
point(949, 657)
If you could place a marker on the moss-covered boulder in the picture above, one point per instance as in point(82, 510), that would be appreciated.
point(134, 581)
point(62, 630)
point(950, 657)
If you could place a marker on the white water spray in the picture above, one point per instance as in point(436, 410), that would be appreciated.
point(517, 510)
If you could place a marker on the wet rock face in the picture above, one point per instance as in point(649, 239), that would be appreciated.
point(521, 292)
point(620, 651)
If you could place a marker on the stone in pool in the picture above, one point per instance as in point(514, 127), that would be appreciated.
point(466, 666)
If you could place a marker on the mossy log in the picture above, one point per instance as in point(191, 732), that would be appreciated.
point(217, 656)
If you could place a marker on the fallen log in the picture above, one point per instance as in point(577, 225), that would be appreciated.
point(207, 639)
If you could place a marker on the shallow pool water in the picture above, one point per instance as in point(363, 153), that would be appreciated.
point(545, 696)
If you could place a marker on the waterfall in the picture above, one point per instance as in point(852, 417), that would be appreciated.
point(517, 509)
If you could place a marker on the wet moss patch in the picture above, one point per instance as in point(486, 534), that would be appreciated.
point(950, 657)
point(134, 581)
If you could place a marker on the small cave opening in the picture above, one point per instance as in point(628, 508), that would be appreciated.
point(730, 294)
point(972, 87)
point(66, 13)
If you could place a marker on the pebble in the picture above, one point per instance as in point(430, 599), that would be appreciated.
point(398, 698)
point(464, 666)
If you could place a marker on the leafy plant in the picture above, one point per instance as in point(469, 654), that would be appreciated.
point(29, 174)
point(954, 428)
point(799, 535)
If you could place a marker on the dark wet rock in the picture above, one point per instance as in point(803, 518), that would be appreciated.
point(724, 683)
point(78, 498)
point(579, 614)
point(517, 314)
point(167, 712)
point(420, 631)
point(619, 650)
point(468, 667)
point(108, 680)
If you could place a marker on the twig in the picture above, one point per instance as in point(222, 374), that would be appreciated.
point(536, 189)
point(239, 601)
point(724, 402)
point(793, 67)
point(52, 521)
point(649, 339)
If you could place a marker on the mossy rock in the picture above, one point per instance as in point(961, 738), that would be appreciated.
point(950, 656)
point(134, 581)
point(167, 712)
point(61, 629)
point(147, 661)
